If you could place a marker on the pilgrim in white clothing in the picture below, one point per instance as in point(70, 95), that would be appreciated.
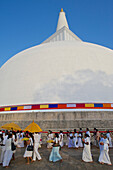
point(36, 145)
point(8, 151)
point(86, 155)
point(109, 138)
point(71, 143)
point(3, 148)
point(80, 144)
point(101, 141)
point(50, 137)
point(75, 140)
point(61, 143)
point(28, 153)
point(54, 155)
point(104, 155)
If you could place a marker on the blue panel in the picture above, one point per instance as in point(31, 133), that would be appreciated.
point(98, 105)
point(53, 105)
point(14, 108)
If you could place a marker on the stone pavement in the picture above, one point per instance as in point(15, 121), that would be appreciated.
point(71, 161)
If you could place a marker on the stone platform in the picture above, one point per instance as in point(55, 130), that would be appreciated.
point(61, 120)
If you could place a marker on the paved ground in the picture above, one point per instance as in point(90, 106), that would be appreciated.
point(71, 161)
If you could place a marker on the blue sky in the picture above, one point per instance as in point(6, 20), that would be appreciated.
point(26, 23)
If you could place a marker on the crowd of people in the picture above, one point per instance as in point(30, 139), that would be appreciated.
point(11, 140)
point(77, 140)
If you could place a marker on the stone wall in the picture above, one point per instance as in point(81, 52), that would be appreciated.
point(61, 120)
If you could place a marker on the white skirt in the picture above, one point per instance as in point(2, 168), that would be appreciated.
point(28, 153)
point(86, 155)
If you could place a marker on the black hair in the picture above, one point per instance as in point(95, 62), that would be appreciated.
point(86, 135)
point(75, 130)
point(56, 134)
point(10, 135)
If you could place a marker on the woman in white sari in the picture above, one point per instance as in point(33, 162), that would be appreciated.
point(86, 155)
point(8, 151)
point(61, 143)
point(109, 138)
point(75, 139)
point(80, 144)
point(50, 136)
point(104, 154)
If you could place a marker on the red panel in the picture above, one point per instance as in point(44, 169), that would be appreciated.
point(61, 106)
point(35, 107)
point(81, 105)
point(1, 109)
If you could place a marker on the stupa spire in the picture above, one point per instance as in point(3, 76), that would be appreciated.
point(62, 20)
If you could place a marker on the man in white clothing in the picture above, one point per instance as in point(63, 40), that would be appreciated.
point(36, 145)
point(3, 147)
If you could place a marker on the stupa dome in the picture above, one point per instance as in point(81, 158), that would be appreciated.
point(63, 69)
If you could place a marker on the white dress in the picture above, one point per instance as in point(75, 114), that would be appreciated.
point(3, 148)
point(101, 146)
point(104, 155)
point(86, 155)
point(80, 144)
point(61, 143)
point(75, 140)
point(88, 133)
point(8, 153)
point(109, 138)
point(50, 137)
point(20, 142)
point(28, 153)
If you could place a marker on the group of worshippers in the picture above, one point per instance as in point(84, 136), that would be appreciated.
point(76, 140)
point(10, 140)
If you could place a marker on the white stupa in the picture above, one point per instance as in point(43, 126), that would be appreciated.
point(63, 69)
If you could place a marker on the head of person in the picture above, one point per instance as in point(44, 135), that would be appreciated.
point(56, 135)
point(10, 135)
point(102, 135)
point(61, 131)
point(80, 128)
point(75, 130)
point(105, 136)
point(107, 131)
point(86, 135)
point(50, 131)
point(96, 130)
point(87, 129)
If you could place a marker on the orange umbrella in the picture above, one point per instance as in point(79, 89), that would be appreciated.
point(33, 127)
point(11, 126)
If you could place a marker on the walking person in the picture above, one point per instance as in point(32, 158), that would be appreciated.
point(75, 139)
point(61, 143)
point(54, 155)
point(80, 144)
point(104, 154)
point(86, 155)
point(3, 148)
point(29, 149)
point(36, 146)
point(71, 143)
point(8, 151)
point(109, 138)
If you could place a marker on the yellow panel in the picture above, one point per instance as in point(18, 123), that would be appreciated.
point(44, 106)
point(7, 108)
point(20, 107)
point(89, 105)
